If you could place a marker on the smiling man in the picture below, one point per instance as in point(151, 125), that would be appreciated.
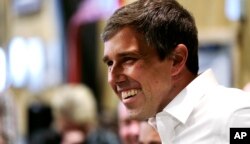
point(136, 73)
point(151, 54)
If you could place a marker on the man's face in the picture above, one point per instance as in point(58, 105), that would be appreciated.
point(136, 74)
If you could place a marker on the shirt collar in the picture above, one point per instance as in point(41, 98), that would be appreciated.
point(183, 104)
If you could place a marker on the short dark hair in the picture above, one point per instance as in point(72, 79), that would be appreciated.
point(163, 23)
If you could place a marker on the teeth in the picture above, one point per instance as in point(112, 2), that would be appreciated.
point(129, 93)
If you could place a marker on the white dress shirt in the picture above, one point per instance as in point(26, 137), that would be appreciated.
point(203, 113)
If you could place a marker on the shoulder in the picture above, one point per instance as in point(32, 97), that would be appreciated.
point(240, 118)
point(222, 102)
point(232, 96)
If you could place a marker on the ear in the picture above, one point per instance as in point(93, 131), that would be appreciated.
point(179, 57)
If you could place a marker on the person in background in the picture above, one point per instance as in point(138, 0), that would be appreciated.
point(128, 128)
point(75, 118)
point(147, 134)
point(74, 107)
point(73, 137)
point(151, 52)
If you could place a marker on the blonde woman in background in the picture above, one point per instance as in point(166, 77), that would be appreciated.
point(76, 118)
point(74, 106)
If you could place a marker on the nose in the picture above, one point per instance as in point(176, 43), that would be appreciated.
point(116, 75)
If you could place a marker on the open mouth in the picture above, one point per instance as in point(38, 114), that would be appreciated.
point(130, 93)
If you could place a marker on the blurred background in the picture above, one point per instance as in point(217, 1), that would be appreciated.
point(47, 43)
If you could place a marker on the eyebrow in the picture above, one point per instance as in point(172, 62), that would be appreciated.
point(123, 54)
point(105, 59)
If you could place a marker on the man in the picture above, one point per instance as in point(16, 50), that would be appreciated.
point(151, 54)
point(128, 128)
point(148, 135)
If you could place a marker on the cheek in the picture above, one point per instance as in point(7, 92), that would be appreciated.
point(156, 85)
point(137, 71)
point(153, 78)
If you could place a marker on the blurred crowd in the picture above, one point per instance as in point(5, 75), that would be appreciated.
point(70, 116)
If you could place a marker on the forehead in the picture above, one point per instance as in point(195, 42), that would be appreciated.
point(126, 39)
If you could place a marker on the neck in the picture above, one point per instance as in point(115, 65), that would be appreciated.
point(182, 80)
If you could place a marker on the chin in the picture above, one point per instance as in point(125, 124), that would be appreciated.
point(138, 115)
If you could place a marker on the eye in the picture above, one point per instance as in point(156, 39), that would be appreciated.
point(129, 60)
point(109, 63)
